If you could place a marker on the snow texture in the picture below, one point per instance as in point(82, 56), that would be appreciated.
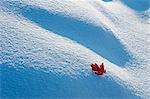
point(47, 46)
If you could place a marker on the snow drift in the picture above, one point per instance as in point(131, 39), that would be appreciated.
point(47, 48)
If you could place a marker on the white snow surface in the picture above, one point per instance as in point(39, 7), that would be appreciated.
point(23, 42)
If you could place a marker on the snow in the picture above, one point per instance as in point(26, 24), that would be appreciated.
point(47, 48)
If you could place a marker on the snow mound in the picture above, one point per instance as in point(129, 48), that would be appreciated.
point(47, 48)
point(34, 55)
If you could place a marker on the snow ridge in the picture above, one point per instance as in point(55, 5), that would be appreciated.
point(33, 51)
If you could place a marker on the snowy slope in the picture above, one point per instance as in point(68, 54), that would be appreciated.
point(47, 48)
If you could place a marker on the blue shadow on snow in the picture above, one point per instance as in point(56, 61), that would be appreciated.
point(107, 0)
point(138, 5)
point(28, 82)
point(100, 41)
